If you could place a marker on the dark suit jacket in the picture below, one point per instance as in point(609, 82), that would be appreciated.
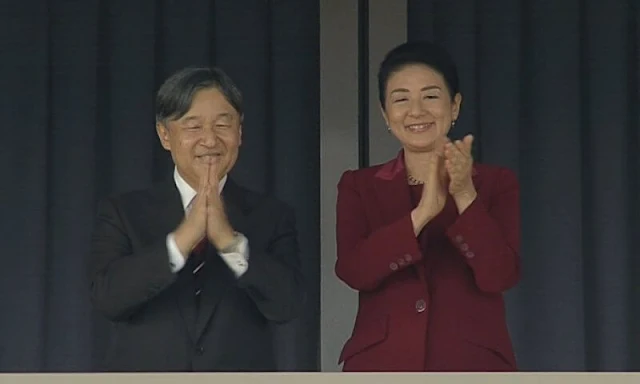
point(438, 308)
point(156, 323)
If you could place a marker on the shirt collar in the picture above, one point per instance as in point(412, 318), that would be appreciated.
point(186, 192)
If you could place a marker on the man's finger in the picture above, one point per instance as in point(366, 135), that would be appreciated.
point(214, 185)
point(206, 174)
point(202, 182)
point(213, 176)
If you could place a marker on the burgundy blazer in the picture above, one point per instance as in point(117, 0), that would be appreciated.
point(441, 309)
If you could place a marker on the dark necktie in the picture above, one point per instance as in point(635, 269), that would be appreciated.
point(198, 254)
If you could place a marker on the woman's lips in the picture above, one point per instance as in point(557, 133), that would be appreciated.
point(419, 128)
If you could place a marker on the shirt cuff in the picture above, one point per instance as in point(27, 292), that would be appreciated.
point(176, 260)
point(237, 257)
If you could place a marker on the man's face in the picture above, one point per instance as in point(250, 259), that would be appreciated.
point(210, 132)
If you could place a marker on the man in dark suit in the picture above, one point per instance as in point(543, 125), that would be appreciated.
point(193, 271)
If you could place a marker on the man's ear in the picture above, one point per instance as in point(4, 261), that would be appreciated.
point(163, 134)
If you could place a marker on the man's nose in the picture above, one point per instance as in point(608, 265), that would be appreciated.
point(210, 136)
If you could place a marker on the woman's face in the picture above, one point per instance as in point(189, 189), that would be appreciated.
point(418, 107)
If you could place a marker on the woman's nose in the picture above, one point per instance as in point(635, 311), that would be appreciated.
point(416, 108)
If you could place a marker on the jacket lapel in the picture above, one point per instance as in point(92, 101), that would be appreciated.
point(219, 277)
point(165, 210)
point(394, 194)
point(167, 201)
point(391, 188)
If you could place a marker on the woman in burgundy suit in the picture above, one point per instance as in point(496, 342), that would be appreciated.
point(430, 240)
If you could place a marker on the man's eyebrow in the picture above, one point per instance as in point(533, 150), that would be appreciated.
point(189, 118)
point(427, 88)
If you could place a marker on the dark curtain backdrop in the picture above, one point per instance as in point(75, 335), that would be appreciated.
point(77, 84)
point(551, 90)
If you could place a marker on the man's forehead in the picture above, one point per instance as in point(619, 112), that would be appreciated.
point(195, 116)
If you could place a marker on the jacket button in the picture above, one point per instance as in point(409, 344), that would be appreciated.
point(464, 247)
point(408, 257)
point(199, 351)
point(421, 305)
point(459, 238)
point(393, 266)
point(469, 255)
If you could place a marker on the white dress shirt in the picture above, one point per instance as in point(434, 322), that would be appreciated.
point(237, 259)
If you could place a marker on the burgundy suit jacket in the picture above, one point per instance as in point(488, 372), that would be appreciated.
point(437, 310)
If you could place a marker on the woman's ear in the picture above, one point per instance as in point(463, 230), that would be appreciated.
point(455, 106)
point(384, 115)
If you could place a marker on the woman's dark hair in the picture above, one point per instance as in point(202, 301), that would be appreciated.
point(418, 52)
point(176, 94)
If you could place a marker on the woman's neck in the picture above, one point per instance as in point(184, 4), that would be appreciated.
point(417, 164)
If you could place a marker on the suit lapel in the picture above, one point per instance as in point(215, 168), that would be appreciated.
point(166, 210)
point(394, 195)
point(236, 205)
point(392, 191)
point(165, 215)
point(219, 277)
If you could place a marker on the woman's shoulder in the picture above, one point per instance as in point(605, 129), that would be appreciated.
point(495, 174)
point(493, 169)
point(364, 174)
point(356, 178)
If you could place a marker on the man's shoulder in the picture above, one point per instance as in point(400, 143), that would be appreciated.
point(137, 197)
point(255, 200)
